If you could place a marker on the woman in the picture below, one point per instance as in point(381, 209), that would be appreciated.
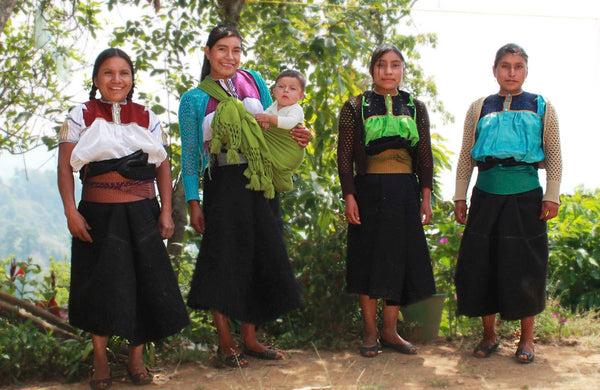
point(243, 270)
point(504, 251)
point(385, 166)
point(122, 282)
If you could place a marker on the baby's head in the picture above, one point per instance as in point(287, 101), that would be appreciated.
point(289, 88)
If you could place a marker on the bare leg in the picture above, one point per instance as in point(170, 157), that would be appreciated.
point(250, 341)
point(526, 341)
point(135, 363)
point(489, 333)
point(369, 313)
point(227, 344)
point(390, 326)
point(101, 369)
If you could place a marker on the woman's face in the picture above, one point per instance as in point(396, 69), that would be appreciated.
point(387, 73)
point(224, 57)
point(114, 79)
point(510, 73)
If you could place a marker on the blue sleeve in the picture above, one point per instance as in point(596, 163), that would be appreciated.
point(193, 161)
point(265, 95)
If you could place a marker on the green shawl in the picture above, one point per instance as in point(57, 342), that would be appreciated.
point(272, 157)
point(236, 130)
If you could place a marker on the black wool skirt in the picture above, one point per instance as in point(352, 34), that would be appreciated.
point(243, 270)
point(503, 256)
point(387, 253)
point(123, 283)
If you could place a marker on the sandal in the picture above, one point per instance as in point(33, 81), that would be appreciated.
point(521, 352)
point(268, 354)
point(100, 384)
point(366, 351)
point(237, 360)
point(486, 350)
point(407, 348)
point(141, 378)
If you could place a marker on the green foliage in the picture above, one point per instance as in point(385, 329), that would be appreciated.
point(574, 270)
point(37, 48)
point(28, 353)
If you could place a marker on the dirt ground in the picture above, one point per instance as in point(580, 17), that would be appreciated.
point(441, 364)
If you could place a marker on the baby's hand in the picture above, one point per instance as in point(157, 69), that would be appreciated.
point(264, 125)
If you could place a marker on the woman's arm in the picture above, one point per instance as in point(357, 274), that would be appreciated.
point(190, 128)
point(345, 147)
point(464, 169)
point(163, 181)
point(424, 168)
point(76, 223)
point(553, 162)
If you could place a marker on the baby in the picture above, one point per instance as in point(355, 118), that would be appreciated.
point(283, 115)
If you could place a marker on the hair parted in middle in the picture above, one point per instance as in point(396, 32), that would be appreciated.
point(105, 55)
point(510, 48)
point(217, 33)
point(380, 51)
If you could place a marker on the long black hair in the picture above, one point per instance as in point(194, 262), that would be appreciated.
point(105, 55)
point(217, 33)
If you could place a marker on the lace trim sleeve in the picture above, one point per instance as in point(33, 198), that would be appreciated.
point(552, 152)
point(424, 168)
point(345, 147)
point(464, 169)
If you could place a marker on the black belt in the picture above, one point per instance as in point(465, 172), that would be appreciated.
point(491, 162)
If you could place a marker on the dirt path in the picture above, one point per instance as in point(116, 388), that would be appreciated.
point(438, 365)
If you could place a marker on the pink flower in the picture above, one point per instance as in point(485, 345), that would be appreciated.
point(460, 234)
point(563, 319)
point(443, 240)
point(555, 315)
point(455, 297)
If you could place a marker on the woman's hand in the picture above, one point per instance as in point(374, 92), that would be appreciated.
point(352, 215)
point(78, 226)
point(425, 211)
point(166, 227)
point(549, 210)
point(196, 216)
point(301, 135)
point(460, 211)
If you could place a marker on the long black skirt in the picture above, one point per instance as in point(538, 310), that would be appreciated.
point(503, 256)
point(123, 283)
point(387, 253)
point(243, 270)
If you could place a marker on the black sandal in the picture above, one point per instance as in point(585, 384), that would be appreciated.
point(100, 384)
point(140, 378)
point(234, 361)
point(487, 350)
point(267, 354)
point(529, 355)
point(365, 351)
point(407, 348)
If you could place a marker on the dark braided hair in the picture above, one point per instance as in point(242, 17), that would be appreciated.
point(217, 33)
point(105, 55)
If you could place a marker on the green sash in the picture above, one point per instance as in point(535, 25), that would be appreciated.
point(235, 129)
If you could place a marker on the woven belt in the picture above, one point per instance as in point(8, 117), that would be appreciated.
point(390, 161)
point(111, 187)
point(222, 160)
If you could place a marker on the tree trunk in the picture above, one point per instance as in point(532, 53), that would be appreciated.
point(230, 10)
point(6, 8)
